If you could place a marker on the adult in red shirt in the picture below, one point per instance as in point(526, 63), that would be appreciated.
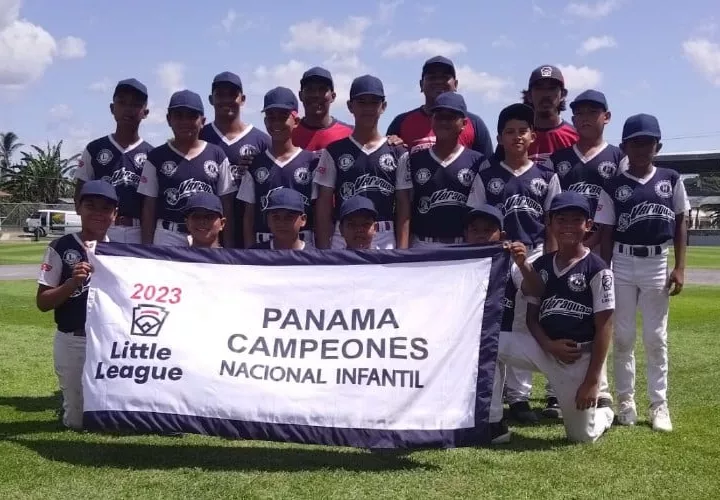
point(414, 127)
point(318, 128)
point(546, 94)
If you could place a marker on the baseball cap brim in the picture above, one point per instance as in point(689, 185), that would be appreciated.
point(448, 108)
point(284, 206)
point(570, 206)
point(286, 107)
point(479, 212)
point(641, 134)
point(599, 104)
point(372, 212)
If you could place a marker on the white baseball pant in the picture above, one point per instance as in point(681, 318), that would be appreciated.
point(171, 238)
point(69, 359)
point(641, 282)
point(384, 238)
point(124, 234)
point(523, 351)
point(418, 242)
point(308, 236)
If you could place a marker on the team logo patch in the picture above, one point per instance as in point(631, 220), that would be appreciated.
point(465, 176)
point(387, 162)
point(302, 175)
point(563, 168)
point(538, 186)
point(422, 176)
point(623, 193)
point(211, 169)
point(104, 157)
point(345, 162)
point(664, 189)
point(248, 150)
point(544, 275)
point(607, 169)
point(546, 72)
point(261, 175)
point(71, 257)
point(347, 190)
point(424, 205)
point(607, 282)
point(496, 185)
point(147, 320)
point(577, 283)
point(168, 168)
point(623, 222)
point(139, 159)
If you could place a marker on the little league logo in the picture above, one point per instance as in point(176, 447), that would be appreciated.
point(496, 186)
point(104, 157)
point(465, 177)
point(211, 169)
point(168, 168)
point(261, 175)
point(139, 160)
point(607, 169)
point(422, 176)
point(387, 162)
point(345, 162)
point(623, 193)
point(302, 175)
point(147, 320)
point(664, 189)
point(538, 186)
point(563, 168)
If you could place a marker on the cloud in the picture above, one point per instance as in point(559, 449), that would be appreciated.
point(424, 47)
point(386, 10)
point(537, 10)
point(104, 86)
point(26, 49)
point(490, 87)
point(426, 11)
point(589, 10)
point(580, 78)
point(316, 36)
point(229, 20)
point(59, 115)
point(157, 113)
point(171, 76)
point(502, 42)
point(704, 55)
point(596, 43)
point(72, 47)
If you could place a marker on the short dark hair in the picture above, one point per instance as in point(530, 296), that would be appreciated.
point(563, 101)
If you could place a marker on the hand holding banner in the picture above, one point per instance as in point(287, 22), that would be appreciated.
point(377, 349)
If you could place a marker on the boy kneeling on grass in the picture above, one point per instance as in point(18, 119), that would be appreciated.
point(570, 307)
point(63, 285)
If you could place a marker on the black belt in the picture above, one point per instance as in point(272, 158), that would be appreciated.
point(180, 227)
point(80, 332)
point(640, 251)
point(383, 225)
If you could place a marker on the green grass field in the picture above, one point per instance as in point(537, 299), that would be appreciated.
point(39, 460)
point(32, 252)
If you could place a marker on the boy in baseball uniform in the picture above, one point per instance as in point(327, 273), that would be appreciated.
point(646, 212)
point(358, 219)
point(63, 286)
point(205, 219)
point(286, 218)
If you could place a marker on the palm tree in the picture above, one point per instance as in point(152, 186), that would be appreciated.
point(42, 175)
point(8, 146)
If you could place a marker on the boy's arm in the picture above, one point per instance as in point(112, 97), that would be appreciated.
point(682, 205)
point(605, 219)
point(83, 173)
point(148, 187)
point(565, 351)
point(323, 193)
point(249, 225)
point(550, 243)
point(403, 197)
point(532, 284)
point(603, 294)
point(51, 293)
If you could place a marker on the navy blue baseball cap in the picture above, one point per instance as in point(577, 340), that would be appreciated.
point(99, 188)
point(590, 97)
point(133, 84)
point(641, 125)
point(206, 201)
point(452, 101)
point(186, 99)
point(317, 73)
point(280, 98)
point(546, 72)
point(357, 204)
point(227, 77)
point(286, 198)
point(439, 61)
point(517, 111)
point(570, 200)
point(367, 85)
point(488, 211)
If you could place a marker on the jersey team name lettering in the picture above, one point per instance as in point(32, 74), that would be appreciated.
point(586, 189)
point(357, 319)
point(190, 186)
point(520, 203)
point(564, 307)
point(446, 197)
point(367, 182)
point(124, 177)
point(644, 211)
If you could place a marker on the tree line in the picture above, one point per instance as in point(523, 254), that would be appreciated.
point(37, 174)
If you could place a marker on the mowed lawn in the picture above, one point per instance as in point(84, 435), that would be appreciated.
point(32, 252)
point(40, 460)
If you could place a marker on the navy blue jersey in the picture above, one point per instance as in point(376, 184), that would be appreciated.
point(586, 176)
point(440, 191)
point(105, 159)
point(643, 210)
point(267, 174)
point(61, 256)
point(573, 295)
point(523, 196)
point(508, 316)
point(251, 142)
point(352, 170)
point(172, 178)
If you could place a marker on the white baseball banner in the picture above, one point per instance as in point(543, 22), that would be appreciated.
point(370, 349)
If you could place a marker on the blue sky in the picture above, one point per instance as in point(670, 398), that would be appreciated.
point(59, 60)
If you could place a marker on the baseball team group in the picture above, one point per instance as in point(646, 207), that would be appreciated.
point(588, 225)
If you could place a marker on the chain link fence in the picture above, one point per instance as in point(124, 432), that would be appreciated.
point(13, 215)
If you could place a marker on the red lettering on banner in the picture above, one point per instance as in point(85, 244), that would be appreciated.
point(160, 294)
